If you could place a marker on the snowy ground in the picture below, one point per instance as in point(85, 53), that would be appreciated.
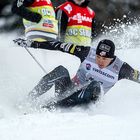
point(115, 118)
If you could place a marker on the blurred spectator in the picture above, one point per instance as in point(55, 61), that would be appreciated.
point(75, 22)
point(38, 18)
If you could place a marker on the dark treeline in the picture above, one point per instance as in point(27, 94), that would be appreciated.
point(107, 13)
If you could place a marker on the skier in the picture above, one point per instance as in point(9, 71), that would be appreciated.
point(75, 22)
point(38, 18)
point(99, 68)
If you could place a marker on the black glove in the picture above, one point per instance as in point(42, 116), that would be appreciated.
point(25, 43)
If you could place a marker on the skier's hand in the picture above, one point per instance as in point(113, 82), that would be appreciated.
point(23, 42)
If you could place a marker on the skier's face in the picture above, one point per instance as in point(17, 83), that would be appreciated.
point(103, 62)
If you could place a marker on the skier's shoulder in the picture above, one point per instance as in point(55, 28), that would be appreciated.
point(66, 7)
point(116, 64)
point(91, 11)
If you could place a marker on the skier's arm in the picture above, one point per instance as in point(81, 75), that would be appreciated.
point(127, 72)
point(79, 51)
point(93, 31)
point(22, 10)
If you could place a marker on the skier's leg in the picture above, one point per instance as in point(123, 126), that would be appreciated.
point(47, 82)
point(83, 96)
point(62, 84)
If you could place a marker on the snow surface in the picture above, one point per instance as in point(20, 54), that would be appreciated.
point(116, 117)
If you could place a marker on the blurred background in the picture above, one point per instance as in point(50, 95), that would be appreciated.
point(108, 13)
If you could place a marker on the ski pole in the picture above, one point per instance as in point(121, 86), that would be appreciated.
point(23, 43)
point(36, 60)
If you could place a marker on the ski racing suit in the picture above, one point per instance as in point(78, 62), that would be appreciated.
point(88, 72)
point(38, 19)
point(75, 23)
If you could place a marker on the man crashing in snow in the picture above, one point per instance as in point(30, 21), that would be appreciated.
point(99, 68)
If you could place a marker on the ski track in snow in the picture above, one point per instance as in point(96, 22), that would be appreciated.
point(116, 117)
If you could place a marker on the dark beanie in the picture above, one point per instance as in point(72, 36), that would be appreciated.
point(106, 48)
